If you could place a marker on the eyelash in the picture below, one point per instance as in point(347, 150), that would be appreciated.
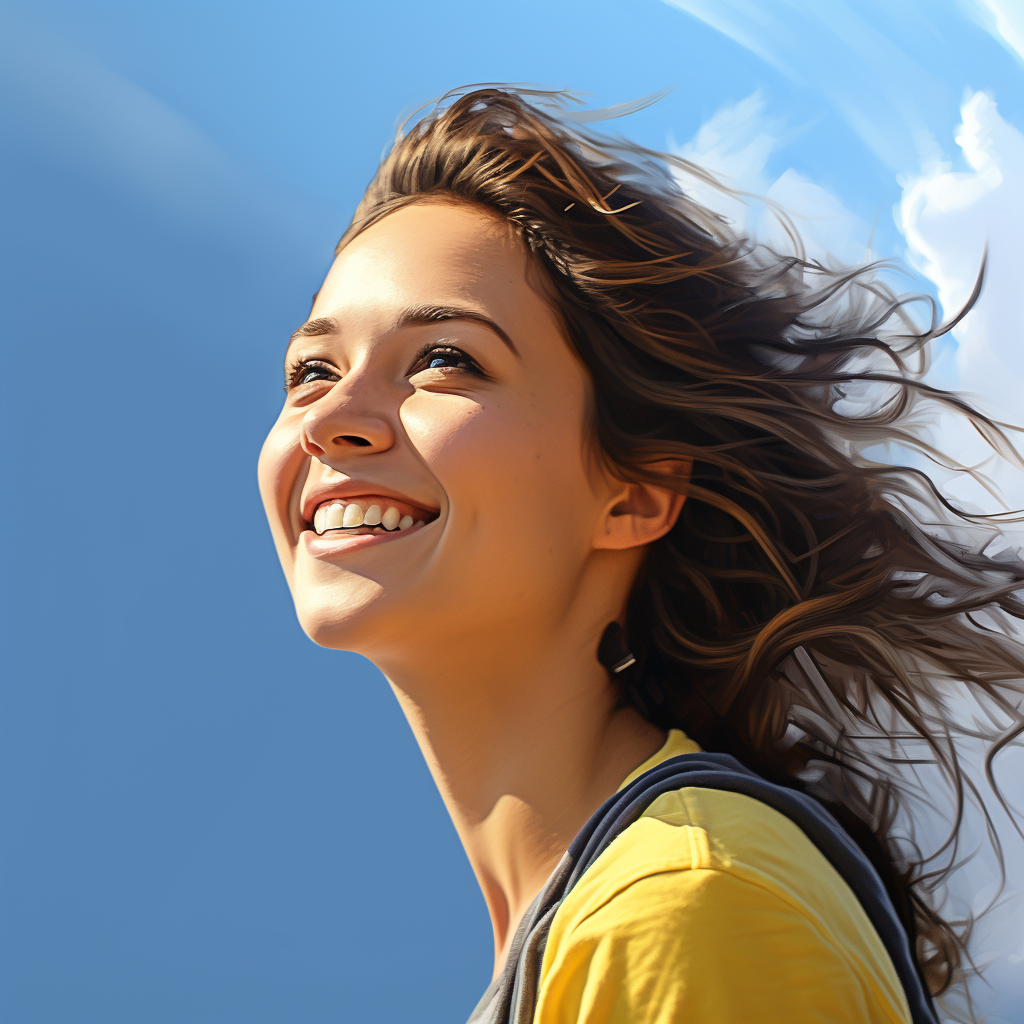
point(471, 364)
point(294, 374)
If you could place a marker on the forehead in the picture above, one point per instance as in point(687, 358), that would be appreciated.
point(434, 253)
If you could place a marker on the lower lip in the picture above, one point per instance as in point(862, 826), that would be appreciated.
point(337, 543)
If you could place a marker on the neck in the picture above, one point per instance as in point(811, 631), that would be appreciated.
point(524, 745)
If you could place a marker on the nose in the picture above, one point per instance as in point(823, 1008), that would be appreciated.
point(348, 420)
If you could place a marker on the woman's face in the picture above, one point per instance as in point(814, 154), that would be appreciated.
point(431, 392)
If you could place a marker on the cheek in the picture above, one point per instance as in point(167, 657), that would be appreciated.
point(447, 431)
point(514, 465)
point(281, 470)
point(481, 451)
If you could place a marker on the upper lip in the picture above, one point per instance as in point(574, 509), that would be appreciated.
point(356, 489)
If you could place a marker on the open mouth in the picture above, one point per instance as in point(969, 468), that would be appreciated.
point(368, 516)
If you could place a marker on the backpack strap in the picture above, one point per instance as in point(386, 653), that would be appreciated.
point(512, 998)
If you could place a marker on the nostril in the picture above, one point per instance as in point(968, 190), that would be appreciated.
point(353, 439)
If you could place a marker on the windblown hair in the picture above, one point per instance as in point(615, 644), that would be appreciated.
point(817, 613)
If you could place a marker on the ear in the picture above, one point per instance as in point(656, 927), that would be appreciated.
point(638, 514)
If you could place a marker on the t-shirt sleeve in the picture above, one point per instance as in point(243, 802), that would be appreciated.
point(702, 946)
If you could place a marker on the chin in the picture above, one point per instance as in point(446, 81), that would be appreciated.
point(341, 617)
point(348, 631)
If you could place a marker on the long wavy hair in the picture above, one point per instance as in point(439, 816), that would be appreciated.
point(815, 612)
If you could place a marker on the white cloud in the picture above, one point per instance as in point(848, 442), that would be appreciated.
point(736, 142)
point(1005, 20)
point(735, 145)
point(828, 48)
point(826, 226)
point(948, 217)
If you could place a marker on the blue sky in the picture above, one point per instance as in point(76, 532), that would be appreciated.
point(209, 819)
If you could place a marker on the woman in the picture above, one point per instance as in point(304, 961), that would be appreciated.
point(580, 472)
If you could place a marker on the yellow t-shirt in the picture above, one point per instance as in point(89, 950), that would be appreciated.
point(713, 908)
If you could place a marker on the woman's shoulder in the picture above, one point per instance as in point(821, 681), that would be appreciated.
point(715, 900)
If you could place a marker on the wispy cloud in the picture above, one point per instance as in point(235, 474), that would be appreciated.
point(858, 63)
point(66, 103)
point(1004, 19)
point(736, 145)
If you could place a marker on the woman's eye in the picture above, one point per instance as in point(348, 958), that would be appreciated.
point(308, 373)
point(439, 357)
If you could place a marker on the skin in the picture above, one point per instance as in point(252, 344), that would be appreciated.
point(486, 620)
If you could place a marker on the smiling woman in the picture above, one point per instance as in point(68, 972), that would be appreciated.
point(390, 407)
point(581, 473)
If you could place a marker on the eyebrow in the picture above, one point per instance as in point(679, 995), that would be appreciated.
point(314, 328)
point(429, 314)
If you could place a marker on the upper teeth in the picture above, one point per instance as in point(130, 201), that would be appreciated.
point(337, 515)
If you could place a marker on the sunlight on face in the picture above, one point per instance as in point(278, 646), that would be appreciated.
point(427, 477)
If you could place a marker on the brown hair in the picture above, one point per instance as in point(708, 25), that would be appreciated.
point(812, 611)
